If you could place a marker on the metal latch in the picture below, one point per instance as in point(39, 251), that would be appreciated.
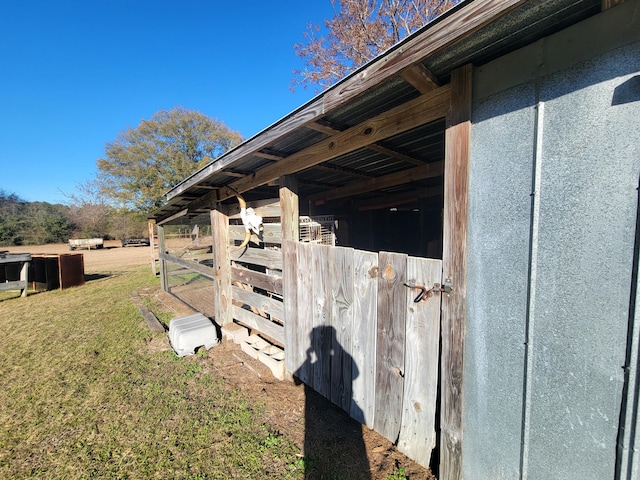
point(425, 293)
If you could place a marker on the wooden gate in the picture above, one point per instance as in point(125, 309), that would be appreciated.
point(354, 333)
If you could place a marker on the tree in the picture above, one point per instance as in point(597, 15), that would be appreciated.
point(359, 31)
point(142, 164)
point(89, 210)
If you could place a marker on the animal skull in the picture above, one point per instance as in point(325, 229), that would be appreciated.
point(251, 221)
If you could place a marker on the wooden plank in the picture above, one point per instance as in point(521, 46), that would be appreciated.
point(14, 285)
point(192, 266)
point(341, 283)
point(163, 265)
point(272, 233)
point(428, 170)
point(305, 303)
point(269, 207)
point(271, 283)
point(416, 112)
point(261, 324)
point(222, 267)
point(439, 35)
point(294, 347)
point(454, 266)
point(289, 208)
point(392, 308)
point(364, 330)
point(261, 302)
point(418, 430)
point(258, 256)
point(323, 333)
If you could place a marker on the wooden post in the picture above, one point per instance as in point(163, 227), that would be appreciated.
point(152, 247)
point(163, 264)
point(24, 278)
point(290, 220)
point(222, 265)
point(289, 205)
point(454, 266)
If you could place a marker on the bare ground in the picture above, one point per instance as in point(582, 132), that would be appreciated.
point(323, 432)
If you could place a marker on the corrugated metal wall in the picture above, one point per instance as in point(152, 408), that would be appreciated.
point(552, 227)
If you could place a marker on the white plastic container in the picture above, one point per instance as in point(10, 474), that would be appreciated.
point(188, 333)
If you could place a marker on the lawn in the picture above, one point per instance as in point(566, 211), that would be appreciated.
point(84, 395)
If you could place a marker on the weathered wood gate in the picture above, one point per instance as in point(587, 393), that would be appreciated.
point(354, 333)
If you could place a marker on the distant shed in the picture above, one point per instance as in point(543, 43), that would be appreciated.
point(500, 140)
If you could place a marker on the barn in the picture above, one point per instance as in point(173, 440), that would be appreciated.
point(449, 241)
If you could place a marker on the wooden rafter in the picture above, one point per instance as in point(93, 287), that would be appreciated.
point(420, 78)
point(342, 170)
point(269, 156)
point(428, 170)
point(472, 17)
point(329, 130)
point(412, 114)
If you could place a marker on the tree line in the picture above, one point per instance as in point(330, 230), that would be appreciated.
point(38, 223)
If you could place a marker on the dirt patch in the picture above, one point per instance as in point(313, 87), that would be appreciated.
point(330, 440)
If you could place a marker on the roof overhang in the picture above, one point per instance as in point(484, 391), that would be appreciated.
point(370, 130)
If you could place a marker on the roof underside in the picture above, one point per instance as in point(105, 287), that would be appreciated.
point(381, 163)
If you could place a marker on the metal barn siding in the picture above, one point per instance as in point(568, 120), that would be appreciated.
point(555, 163)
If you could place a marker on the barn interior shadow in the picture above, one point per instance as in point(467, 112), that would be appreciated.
point(333, 444)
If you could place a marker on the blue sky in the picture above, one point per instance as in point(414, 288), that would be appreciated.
point(73, 74)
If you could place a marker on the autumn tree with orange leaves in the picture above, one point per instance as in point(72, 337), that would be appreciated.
point(359, 31)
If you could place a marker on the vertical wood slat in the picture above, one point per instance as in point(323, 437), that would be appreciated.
point(322, 333)
point(363, 342)
point(289, 218)
point(456, 217)
point(390, 344)
point(162, 262)
point(341, 283)
point(304, 367)
point(294, 346)
point(418, 433)
point(222, 265)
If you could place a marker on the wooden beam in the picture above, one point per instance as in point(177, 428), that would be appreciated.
point(427, 170)
point(389, 201)
point(308, 113)
point(222, 294)
point(269, 156)
point(454, 267)
point(411, 114)
point(436, 37)
point(393, 154)
point(374, 146)
point(420, 78)
point(289, 208)
point(322, 128)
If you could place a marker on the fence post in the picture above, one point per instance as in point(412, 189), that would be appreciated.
point(290, 220)
point(222, 266)
point(454, 267)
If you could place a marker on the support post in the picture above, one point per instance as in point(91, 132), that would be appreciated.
point(24, 278)
point(454, 266)
point(290, 220)
point(289, 206)
point(152, 245)
point(163, 263)
point(222, 266)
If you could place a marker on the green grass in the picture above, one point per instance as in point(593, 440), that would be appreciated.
point(84, 396)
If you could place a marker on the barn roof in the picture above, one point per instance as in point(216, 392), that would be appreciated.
point(321, 141)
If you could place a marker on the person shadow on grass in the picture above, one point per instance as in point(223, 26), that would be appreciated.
point(333, 444)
